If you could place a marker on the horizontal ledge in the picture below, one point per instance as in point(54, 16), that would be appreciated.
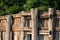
point(58, 16)
point(21, 28)
point(39, 33)
point(3, 17)
point(2, 28)
point(26, 14)
point(44, 28)
point(58, 29)
point(18, 28)
point(44, 32)
point(16, 15)
point(45, 15)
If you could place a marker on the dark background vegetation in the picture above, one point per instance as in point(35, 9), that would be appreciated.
point(15, 6)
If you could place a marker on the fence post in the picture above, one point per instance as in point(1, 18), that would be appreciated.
point(34, 23)
point(50, 23)
point(22, 25)
point(8, 26)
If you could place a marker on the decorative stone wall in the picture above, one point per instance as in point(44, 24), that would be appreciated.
point(31, 25)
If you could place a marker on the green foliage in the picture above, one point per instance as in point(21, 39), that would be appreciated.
point(15, 6)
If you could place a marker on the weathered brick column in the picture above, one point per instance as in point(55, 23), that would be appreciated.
point(50, 23)
point(8, 26)
point(34, 23)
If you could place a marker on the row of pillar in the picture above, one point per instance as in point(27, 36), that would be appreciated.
point(34, 18)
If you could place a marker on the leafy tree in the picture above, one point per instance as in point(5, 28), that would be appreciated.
point(15, 6)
